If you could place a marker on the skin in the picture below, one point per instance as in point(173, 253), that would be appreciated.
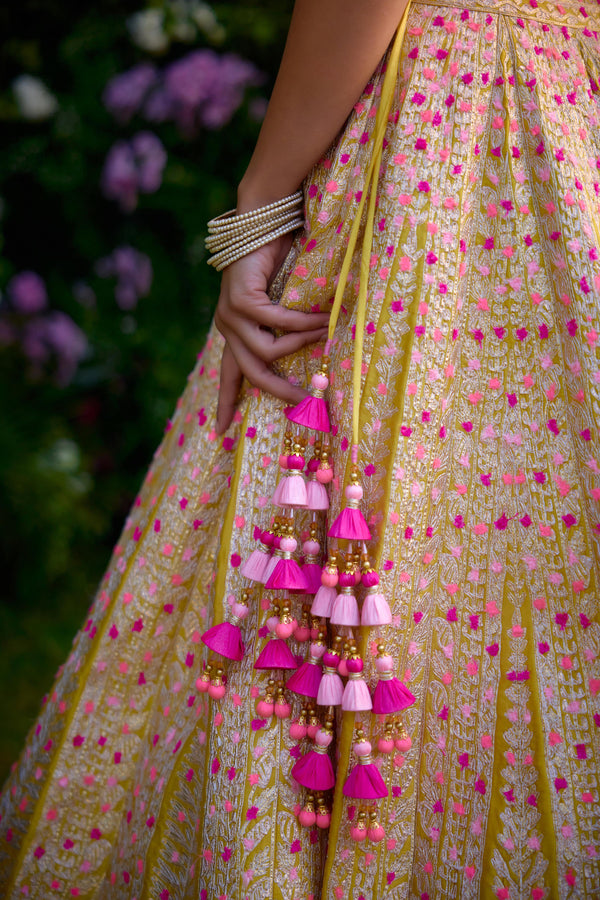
point(332, 49)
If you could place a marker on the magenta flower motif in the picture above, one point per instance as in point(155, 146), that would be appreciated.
point(572, 327)
point(501, 523)
point(124, 94)
point(27, 292)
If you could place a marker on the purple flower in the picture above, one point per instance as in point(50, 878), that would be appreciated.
point(55, 334)
point(206, 89)
point(133, 167)
point(124, 94)
point(27, 292)
point(133, 271)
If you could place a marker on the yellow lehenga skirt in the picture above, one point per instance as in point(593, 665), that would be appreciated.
point(479, 455)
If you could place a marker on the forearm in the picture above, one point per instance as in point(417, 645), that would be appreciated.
point(332, 49)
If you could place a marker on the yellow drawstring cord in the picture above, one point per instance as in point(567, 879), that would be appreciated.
point(370, 190)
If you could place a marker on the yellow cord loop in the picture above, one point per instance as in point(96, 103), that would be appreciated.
point(370, 190)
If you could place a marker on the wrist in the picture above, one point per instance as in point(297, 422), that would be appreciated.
point(251, 194)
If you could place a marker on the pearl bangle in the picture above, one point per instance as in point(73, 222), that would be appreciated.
point(233, 235)
point(226, 257)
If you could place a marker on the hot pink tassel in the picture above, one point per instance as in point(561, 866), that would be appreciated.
point(356, 693)
point(287, 576)
point(226, 640)
point(390, 694)
point(312, 412)
point(275, 655)
point(331, 688)
point(345, 609)
point(316, 495)
point(350, 525)
point(307, 678)
point(314, 770)
point(364, 781)
point(312, 573)
point(375, 611)
point(323, 602)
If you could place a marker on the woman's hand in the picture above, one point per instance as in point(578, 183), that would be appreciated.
point(244, 316)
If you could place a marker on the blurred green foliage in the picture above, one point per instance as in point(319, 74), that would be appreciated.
point(72, 455)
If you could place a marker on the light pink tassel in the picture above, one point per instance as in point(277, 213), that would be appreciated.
point(375, 610)
point(331, 688)
point(345, 609)
point(356, 693)
point(323, 602)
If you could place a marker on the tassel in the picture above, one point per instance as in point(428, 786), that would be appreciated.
point(375, 609)
point(331, 688)
point(390, 695)
point(317, 497)
point(275, 655)
point(287, 574)
point(364, 782)
point(345, 607)
point(325, 596)
point(291, 488)
point(277, 553)
point(225, 639)
point(312, 411)
point(255, 566)
point(311, 568)
point(314, 770)
point(356, 693)
point(350, 525)
point(307, 678)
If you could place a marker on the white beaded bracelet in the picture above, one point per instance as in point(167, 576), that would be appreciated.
point(232, 235)
point(228, 256)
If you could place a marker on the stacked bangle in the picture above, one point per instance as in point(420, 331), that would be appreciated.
point(233, 235)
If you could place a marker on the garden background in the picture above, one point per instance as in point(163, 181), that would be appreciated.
point(125, 128)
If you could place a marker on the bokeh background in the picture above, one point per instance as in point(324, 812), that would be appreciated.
point(124, 129)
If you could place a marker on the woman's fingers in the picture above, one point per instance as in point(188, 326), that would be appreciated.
point(229, 388)
point(258, 374)
point(268, 347)
point(271, 315)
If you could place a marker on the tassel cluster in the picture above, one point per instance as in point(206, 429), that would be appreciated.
point(321, 593)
